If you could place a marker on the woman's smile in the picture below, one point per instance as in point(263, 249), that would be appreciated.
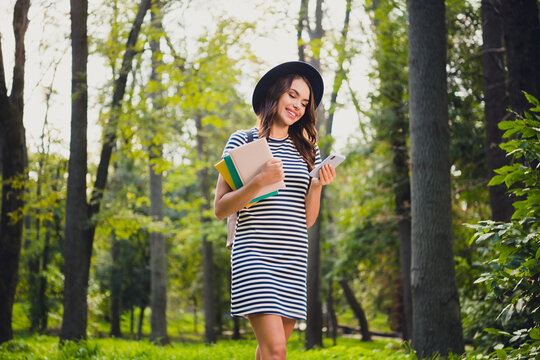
point(292, 114)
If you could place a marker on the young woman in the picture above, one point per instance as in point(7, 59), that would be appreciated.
point(269, 256)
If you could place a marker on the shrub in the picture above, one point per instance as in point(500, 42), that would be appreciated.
point(512, 273)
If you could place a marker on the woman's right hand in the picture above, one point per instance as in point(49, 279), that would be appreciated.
point(271, 173)
point(228, 201)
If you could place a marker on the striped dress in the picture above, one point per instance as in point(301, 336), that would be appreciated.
point(269, 256)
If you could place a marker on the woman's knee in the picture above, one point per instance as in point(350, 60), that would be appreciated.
point(275, 351)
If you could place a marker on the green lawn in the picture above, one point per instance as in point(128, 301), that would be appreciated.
point(186, 343)
point(46, 347)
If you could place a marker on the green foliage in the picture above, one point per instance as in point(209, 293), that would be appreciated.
point(512, 270)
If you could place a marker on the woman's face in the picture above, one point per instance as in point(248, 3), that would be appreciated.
point(293, 103)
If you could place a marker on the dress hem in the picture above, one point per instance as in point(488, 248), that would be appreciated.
point(268, 313)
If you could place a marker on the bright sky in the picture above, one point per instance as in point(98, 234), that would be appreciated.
point(47, 42)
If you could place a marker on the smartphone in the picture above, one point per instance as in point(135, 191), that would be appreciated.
point(333, 159)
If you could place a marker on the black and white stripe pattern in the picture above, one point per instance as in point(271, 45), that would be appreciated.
point(269, 256)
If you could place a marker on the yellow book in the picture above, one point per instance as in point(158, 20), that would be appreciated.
point(224, 171)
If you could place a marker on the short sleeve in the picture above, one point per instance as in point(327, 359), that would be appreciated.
point(236, 139)
point(317, 155)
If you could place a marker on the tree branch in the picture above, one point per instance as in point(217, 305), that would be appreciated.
point(110, 128)
point(357, 108)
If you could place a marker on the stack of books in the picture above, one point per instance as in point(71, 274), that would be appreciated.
point(243, 163)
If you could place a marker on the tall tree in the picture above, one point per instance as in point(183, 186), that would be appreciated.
point(436, 311)
point(316, 32)
point(495, 104)
point(158, 263)
point(302, 23)
point(392, 126)
point(314, 320)
point(522, 40)
point(39, 257)
point(115, 286)
point(13, 170)
point(209, 301)
point(75, 251)
point(357, 309)
point(78, 253)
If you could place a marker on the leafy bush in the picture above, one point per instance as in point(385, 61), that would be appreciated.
point(512, 273)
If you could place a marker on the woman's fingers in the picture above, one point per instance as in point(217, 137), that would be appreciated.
point(327, 174)
point(272, 172)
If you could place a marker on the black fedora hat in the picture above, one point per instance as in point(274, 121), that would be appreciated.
point(291, 67)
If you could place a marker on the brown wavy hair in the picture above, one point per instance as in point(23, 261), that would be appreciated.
point(303, 132)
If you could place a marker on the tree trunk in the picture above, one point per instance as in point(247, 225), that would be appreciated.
point(76, 251)
point(495, 104)
point(131, 319)
point(302, 23)
point(13, 171)
point(522, 39)
point(33, 260)
point(116, 282)
point(44, 307)
point(436, 311)
point(236, 328)
point(402, 196)
point(43, 311)
point(209, 296)
point(158, 267)
point(236, 320)
point(332, 318)
point(357, 310)
point(195, 318)
point(313, 333)
point(79, 253)
point(141, 320)
point(110, 128)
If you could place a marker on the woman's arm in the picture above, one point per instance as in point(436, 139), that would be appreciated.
point(228, 202)
point(327, 174)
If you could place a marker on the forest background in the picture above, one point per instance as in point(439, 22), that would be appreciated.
point(169, 81)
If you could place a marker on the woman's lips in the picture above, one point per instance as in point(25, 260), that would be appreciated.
point(291, 113)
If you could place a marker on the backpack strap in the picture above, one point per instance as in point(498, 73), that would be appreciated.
point(249, 134)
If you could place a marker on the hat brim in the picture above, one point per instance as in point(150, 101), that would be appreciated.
point(291, 67)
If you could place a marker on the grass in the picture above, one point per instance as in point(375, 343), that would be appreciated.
point(47, 347)
point(186, 342)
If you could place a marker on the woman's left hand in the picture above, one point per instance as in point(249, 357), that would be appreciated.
point(327, 174)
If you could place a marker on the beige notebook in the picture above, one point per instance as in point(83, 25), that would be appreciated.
point(248, 160)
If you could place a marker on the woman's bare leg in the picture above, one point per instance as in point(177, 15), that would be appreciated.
point(271, 338)
point(288, 327)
